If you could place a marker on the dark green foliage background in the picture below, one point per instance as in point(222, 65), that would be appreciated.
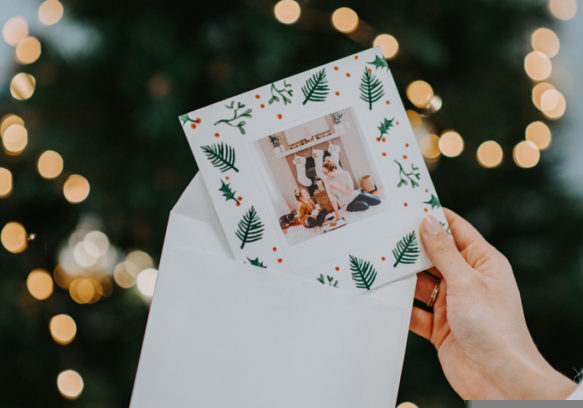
point(96, 111)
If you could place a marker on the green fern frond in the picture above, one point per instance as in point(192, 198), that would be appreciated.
point(363, 272)
point(221, 156)
point(316, 88)
point(407, 250)
point(250, 228)
point(371, 88)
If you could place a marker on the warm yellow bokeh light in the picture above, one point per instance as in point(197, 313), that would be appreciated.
point(388, 44)
point(28, 50)
point(345, 20)
point(538, 66)
point(540, 134)
point(5, 182)
point(63, 329)
point(429, 145)
point(563, 9)
point(14, 237)
point(22, 86)
point(526, 154)
point(10, 119)
point(489, 154)
point(550, 100)
point(15, 139)
point(76, 188)
point(83, 290)
point(146, 281)
point(14, 30)
point(407, 405)
point(70, 384)
point(420, 93)
point(98, 240)
point(125, 273)
point(50, 164)
point(545, 41)
point(287, 11)
point(414, 119)
point(50, 12)
point(559, 110)
point(451, 143)
point(537, 92)
point(39, 284)
point(141, 259)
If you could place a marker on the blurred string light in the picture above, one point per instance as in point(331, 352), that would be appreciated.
point(287, 11)
point(345, 20)
point(39, 284)
point(451, 144)
point(63, 329)
point(50, 12)
point(388, 44)
point(146, 282)
point(415, 119)
point(540, 134)
point(526, 154)
point(489, 154)
point(407, 405)
point(5, 182)
point(429, 145)
point(14, 237)
point(546, 41)
point(28, 50)
point(14, 139)
point(553, 104)
point(70, 384)
point(22, 86)
point(15, 29)
point(420, 93)
point(538, 66)
point(563, 9)
point(537, 92)
point(50, 164)
point(76, 188)
point(9, 119)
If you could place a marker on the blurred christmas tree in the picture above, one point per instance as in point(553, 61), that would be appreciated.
point(111, 112)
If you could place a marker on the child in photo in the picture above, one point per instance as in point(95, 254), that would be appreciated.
point(309, 214)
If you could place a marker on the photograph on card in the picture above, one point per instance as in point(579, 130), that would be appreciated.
point(320, 176)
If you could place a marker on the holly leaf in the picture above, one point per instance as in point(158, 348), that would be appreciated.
point(379, 62)
point(384, 127)
point(433, 202)
point(256, 262)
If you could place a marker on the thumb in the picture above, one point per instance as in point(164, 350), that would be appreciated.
point(443, 252)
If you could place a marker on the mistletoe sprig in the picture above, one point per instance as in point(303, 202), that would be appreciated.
point(228, 193)
point(236, 116)
point(284, 93)
point(330, 279)
point(412, 177)
point(384, 127)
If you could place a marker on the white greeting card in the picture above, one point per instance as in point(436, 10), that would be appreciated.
point(319, 174)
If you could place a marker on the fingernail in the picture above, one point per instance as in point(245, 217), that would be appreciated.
point(432, 226)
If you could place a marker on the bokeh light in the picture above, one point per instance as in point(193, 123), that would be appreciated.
point(429, 145)
point(563, 9)
point(388, 44)
point(10, 119)
point(489, 154)
point(76, 188)
point(451, 144)
point(559, 107)
point(63, 329)
point(14, 30)
point(407, 405)
point(50, 164)
point(14, 237)
point(125, 273)
point(28, 50)
point(5, 182)
point(85, 290)
point(550, 100)
point(70, 384)
point(345, 20)
point(537, 92)
point(146, 282)
point(140, 259)
point(420, 93)
point(50, 12)
point(15, 139)
point(538, 66)
point(545, 41)
point(39, 284)
point(22, 86)
point(415, 119)
point(526, 154)
point(540, 134)
point(287, 11)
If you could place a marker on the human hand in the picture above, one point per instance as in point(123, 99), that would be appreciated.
point(478, 325)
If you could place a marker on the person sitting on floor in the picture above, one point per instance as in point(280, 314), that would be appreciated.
point(309, 213)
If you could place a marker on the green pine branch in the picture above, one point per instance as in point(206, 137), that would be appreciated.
point(371, 88)
point(384, 127)
point(236, 116)
point(250, 228)
point(433, 201)
point(284, 93)
point(407, 250)
point(221, 156)
point(379, 62)
point(316, 87)
point(328, 279)
point(363, 272)
point(411, 177)
point(256, 262)
point(228, 193)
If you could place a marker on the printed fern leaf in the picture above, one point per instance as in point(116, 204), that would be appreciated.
point(250, 228)
point(379, 62)
point(407, 250)
point(363, 272)
point(221, 156)
point(228, 193)
point(433, 202)
point(316, 88)
point(371, 88)
point(256, 262)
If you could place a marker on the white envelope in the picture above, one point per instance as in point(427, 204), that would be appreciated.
point(224, 334)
